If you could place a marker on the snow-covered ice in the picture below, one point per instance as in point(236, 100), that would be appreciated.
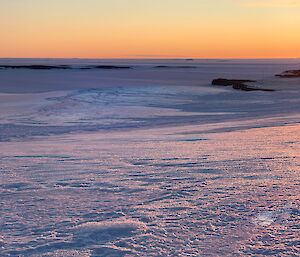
point(149, 162)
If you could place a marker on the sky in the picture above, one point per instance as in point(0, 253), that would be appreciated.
point(150, 28)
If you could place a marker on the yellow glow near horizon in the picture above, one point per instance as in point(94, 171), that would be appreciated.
point(150, 28)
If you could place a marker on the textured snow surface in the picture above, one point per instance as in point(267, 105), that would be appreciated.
point(153, 170)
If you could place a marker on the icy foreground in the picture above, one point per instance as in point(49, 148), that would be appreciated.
point(165, 166)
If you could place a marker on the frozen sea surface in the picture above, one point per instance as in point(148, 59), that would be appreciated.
point(153, 170)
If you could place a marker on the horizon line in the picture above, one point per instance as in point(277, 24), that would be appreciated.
point(158, 58)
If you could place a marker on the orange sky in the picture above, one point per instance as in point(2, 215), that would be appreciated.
point(150, 28)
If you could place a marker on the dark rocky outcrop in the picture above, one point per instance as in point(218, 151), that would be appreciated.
point(230, 82)
point(289, 74)
point(244, 87)
point(238, 84)
point(106, 67)
point(36, 67)
point(111, 67)
point(174, 67)
point(62, 67)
